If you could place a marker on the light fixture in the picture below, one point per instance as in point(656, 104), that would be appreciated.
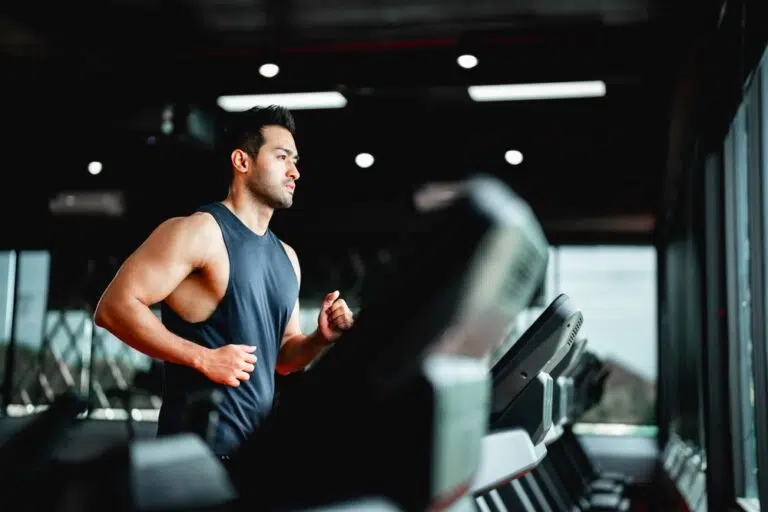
point(364, 160)
point(269, 70)
point(95, 168)
point(513, 157)
point(293, 101)
point(467, 61)
point(542, 91)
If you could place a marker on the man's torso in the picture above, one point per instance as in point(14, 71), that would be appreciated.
point(243, 294)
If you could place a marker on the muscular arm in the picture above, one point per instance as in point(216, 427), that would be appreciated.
point(176, 247)
point(297, 349)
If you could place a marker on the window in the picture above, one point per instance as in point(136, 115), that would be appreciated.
point(743, 301)
point(615, 287)
point(56, 349)
point(739, 301)
point(26, 291)
point(7, 292)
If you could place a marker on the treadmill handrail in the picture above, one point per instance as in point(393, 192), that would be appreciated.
point(553, 434)
point(506, 456)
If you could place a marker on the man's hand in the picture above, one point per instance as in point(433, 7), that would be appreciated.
point(334, 318)
point(229, 364)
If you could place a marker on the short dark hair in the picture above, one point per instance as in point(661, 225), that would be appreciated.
point(244, 130)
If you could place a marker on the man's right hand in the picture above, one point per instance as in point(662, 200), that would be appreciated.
point(229, 364)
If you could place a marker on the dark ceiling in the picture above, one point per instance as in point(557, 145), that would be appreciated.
point(90, 80)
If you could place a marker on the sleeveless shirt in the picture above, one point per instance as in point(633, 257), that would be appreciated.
point(260, 296)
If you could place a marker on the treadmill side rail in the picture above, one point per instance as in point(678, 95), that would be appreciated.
point(506, 456)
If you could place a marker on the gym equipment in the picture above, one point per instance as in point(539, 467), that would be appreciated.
point(574, 478)
point(170, 473)
point(539, 350)
point(166, 473)
point(406, 387)
point(27, 453)
point(562, 391)
point(522, 407)
point(686, 466)
point(565, 479)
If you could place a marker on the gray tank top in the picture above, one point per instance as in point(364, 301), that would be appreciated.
point(260, 297)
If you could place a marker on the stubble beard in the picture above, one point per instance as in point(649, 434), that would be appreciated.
point(272, 199)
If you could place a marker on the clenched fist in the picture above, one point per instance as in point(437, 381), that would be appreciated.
point(229, 364)
point(334, 318)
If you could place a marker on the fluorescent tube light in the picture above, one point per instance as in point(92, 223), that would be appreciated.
point(293, 101)
point(543, 91)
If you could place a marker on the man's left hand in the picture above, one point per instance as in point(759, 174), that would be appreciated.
point(334, 318)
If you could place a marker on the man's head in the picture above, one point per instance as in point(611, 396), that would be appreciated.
point(263, 155)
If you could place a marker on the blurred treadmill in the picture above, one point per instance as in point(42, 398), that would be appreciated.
point(398, 408)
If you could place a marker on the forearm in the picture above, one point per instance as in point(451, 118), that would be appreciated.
point(137, 326)
point(298, 351)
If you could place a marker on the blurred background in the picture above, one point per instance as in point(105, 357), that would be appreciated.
point(111, 113)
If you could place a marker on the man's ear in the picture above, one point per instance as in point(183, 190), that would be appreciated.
point(241, 161)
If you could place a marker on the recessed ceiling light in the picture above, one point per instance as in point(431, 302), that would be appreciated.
point(467, 61)
point(269, 70)
point(95, 168)
point(513, 157)
point(364, 160)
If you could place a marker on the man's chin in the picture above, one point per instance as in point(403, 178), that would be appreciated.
point(284, 204)
point(279, 202)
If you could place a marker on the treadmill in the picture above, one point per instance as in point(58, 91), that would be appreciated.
point(529, 360)
point(521, 413)
point(562, 391)
point(568, 467)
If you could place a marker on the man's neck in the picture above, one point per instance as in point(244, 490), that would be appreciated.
point(252, 213)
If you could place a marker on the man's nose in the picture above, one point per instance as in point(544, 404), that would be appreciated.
point(293, 171)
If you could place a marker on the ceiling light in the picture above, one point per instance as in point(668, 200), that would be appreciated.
point(269, 70)
point(543, 91)
point(364, 160)
point(513, 157)
point(95, 168)
point(467, 61)
point(293, 101)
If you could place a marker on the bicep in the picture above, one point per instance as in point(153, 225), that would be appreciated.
point(161, 263)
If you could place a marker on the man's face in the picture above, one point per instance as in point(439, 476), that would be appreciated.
point(272, 178)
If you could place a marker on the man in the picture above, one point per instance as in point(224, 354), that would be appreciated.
point(229, 290)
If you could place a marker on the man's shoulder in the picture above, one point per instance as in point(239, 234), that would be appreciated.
point(198, 225)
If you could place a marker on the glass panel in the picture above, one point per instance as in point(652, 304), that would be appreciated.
point(29, 388)
point(7, 295)
point(615, 287)
point(743, 301)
